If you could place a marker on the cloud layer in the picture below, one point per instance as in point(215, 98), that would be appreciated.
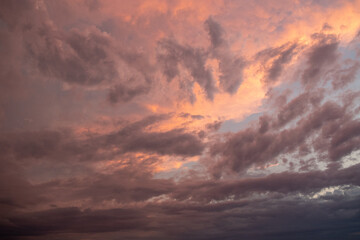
point(179, 120)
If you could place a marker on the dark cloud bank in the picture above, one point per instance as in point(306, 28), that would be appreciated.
point(308, 133)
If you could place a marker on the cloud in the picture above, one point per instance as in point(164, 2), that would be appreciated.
point(131, 138)
point(230, 66)
point(31, 144)
point(110, 115)
point(320, 57)
point(76, 55)
point(297, 107)
point(73, 56)
point(150, 218)
point(345, 140)
point(170, 142)
point(69, 220)
point(133, 182)
point(122, 93)
point(255, 146)
point(274, 60)
point(172, 53)
point(342, 77)
point(215, 32)
point(196, 117)
point(285, 182)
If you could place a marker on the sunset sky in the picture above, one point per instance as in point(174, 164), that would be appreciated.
point(179, 119)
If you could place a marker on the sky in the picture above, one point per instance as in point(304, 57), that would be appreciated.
point(179, 119)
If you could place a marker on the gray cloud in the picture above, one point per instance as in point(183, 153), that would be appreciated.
point(123, 93)
point(330, 216)
point(83, 56)
point(72, 220)
point(74, 57)
point(187, 115)
point(58, 183)
point(320, 57)
point(134, 137)
point(171, 142)
point(171, 54)
point(285, 182)
point(297, 107)
point(230, 66)
point(274, 60)
point(258, 145)
point(343, 77)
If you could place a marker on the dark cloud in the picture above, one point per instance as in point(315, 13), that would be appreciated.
point(30, 144)
point(11, 74)
point(258, 145)
point(171, 54)
point(343, 77)
point(279, 213)
point(214, 126)
point(16, 192)
point(286, 182)
point(231, 69)
point(132, 182)
point(345, 140)
point(320, 57)
point(122, 93)
point(11, 12)
point(230, 66)
point(77, 55)
point(130, 187)
point(171, 142)
point(73, 220)
point(274, 60)
point(227, 219)
point(187, 115)
point(297, 107)
point(290, 174)
point(326, 27)
point(93, 5)
point(215, 32)
point(134, 137)
point(74, 57)
point(277, 65)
